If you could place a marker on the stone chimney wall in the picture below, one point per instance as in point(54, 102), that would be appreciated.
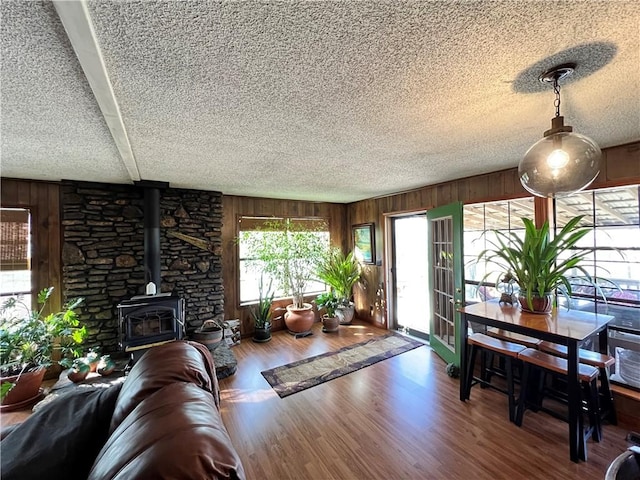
point(103, 253)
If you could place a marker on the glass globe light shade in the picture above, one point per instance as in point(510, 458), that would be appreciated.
point(560, 164)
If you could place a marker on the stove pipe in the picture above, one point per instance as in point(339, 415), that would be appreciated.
point(152, 231)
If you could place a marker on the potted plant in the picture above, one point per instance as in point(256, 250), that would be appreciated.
point(80, 368)
point(538, 264)
point(330, 303)
point(27, 342)
point(288, 252)
point(106, 365)
point(93, 358)
point(340, 272)
point(261, 314)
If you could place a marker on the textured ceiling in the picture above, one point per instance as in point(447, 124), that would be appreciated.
point(328, 101)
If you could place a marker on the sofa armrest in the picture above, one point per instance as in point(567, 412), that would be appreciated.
point(179, 361)
point(176, 433)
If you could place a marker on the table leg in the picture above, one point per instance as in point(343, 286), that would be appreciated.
point(575, 435)
point(603, 340)
point(463, 358)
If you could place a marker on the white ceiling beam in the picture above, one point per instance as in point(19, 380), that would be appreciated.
point(79, 27)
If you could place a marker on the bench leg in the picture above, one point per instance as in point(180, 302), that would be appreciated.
point(522, 401)
point(607, 405)
point(470, 368)
point(594, 410)
point(512, 402)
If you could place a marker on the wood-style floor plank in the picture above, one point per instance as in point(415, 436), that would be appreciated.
point(400, 418)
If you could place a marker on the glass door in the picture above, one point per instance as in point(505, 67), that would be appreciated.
point(446, 280)
point(409, 274)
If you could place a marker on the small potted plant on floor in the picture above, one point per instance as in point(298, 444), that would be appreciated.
point(28, 339)
point(329, 302)
point(261, 314)
point(80, 368)
point(340, 272)
point(538, 264)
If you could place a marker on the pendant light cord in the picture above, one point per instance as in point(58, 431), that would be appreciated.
point(556, 90)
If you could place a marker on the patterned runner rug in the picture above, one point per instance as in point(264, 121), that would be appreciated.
point(297, 376)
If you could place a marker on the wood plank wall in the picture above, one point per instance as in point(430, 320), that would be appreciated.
point(233, 207)
point(621, 167)
point(43, 200)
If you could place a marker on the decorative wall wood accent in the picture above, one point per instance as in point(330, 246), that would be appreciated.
point(235, 207)
point(43, 200)
point(621, 167)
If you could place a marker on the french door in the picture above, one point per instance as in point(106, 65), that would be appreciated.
point(446, 280)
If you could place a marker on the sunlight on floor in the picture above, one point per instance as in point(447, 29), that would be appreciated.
point(235, 395)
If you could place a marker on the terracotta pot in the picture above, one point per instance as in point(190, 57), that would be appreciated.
point(106, 366)
point(93, 365)
point(346, 314)
point(26, 389)
point(541, 305)
point(299, 320)
point(76, 376)
point(330, 324)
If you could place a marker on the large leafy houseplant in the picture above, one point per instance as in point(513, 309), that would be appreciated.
point(340, 272)
point(540, 265)
point(28, 337)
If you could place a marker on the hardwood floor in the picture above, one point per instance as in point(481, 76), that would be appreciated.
point(400, 418)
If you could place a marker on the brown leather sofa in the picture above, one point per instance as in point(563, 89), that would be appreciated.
point(163, 423)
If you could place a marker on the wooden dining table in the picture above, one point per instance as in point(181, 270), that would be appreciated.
point(566, 327)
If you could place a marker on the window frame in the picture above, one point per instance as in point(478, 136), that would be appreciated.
point(257, 220)
point(16, 215)
point(600, 304)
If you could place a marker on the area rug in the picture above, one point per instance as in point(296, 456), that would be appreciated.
point(297, 376)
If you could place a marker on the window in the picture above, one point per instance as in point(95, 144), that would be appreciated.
point(478, 220)
point(613, 215)
point(254, 229)
point(15, 254)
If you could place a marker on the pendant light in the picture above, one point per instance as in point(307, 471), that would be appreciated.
point(562, 162)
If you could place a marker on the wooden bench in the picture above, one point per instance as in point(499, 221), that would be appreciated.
point(559, 366)
point(507, 350)
point(602, 362)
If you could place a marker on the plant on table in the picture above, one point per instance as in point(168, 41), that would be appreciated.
point(540, 265)
point(28, 337)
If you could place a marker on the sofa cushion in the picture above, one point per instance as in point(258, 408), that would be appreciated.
point(62, 439)
point(176, 433)
point(179, 361)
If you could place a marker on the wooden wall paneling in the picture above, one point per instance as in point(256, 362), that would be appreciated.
point(621, 165)
point(40, 250)
point(229, 256)
point(9, 192)
point(43, 201)
point(542, 211)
